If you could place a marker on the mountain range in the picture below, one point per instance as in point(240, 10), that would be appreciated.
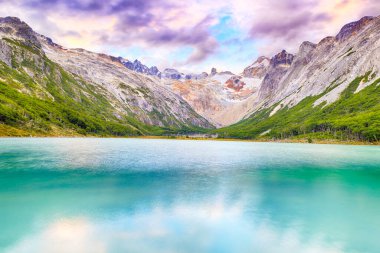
point(327, 90)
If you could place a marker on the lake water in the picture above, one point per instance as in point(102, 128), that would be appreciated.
point(139, 195)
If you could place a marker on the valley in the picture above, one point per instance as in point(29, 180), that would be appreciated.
point(327, 90)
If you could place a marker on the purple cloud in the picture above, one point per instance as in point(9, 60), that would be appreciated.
point(156, 28)
point(139, 21)
point(76, 5)
point(289, 28)
point(286, 24)
point(198, 36)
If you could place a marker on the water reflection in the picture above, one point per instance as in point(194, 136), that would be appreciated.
point(163, 196)
point(210, 227)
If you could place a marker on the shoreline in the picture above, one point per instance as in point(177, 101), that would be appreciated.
point(11, 132)
point(300, 141)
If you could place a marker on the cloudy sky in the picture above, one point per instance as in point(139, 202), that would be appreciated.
point(191, 35)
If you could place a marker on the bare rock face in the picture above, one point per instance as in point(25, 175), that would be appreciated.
point(222, 98)
point(5, 53)
point(14, 31)
point(258, 69)
point(14, 27)
point(137, 66)
point(333, 62)
point(235, 83)
point(139, 95)
point(172, 74)
point(172, 98)
point(305, 52)
point(213, 72)
point(282, 59)
point(353, 28)
point(279, 65)
point(286, 79)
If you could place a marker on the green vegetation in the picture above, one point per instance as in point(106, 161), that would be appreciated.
point(22, 45)
point(60, 113)
point(37, 97)
point(355, 116)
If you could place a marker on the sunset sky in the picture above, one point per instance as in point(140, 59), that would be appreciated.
point(192, 35)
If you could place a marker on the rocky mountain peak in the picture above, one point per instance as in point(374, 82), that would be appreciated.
point(202, 75)
point(226, 72)
point(14, 26)
point(282, 59)
point(172, 74)
point(49, 41)
point(213, 72)
point(326, 40)
point(12, 20)
point(154, 71)
point(305, 54)
point(168, 73)
point(261, 59)
point(139, 67)
point(353, 27)
point(306, 47)
point(326, 44)
point(258, 68)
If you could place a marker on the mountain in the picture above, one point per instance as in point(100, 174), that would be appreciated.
point(140, 68)
point(213, 72)
point(257, 69)
point(176, 75)
point(168, 73)
point(326, 90)
point(48, 89)
point(222, 97)
point(278, 66)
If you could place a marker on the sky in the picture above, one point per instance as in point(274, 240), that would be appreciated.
point(189, 35)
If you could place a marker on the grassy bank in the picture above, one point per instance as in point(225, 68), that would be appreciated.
point(6, 131)
point(354, 117)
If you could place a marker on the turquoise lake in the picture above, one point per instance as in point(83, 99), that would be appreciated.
point(145, 195)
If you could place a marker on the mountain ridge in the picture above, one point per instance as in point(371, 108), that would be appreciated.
point(334, 75)
point(265, 89)
point(49, 73)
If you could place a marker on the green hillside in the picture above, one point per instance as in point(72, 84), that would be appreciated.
point(37, 97)
point(355, 116)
